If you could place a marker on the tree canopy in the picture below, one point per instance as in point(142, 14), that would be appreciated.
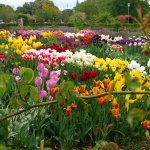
point(99, 10)
point(7, 13)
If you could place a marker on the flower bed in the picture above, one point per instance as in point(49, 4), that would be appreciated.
point(73, 89)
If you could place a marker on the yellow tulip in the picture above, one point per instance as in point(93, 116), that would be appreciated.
point(6, 47)
point(147, 134)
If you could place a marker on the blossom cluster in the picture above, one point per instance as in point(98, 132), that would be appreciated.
point(86, 32)
point(87, 75)
point(133, 41)
point(26, 34)
point(80, 58)
point(133, 65)
point(4, 34)
point(20, 45)
point(48, 56)
point(108, 64)
point(72, 41)
point(51, 81)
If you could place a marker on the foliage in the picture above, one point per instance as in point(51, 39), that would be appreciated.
point(144, 24)
point(25, 19)
point(79, 20)
point(76, 110)
point(66, 13)
point(47, 13)
point(27, 8)
point(7, 14)
point(118, 7)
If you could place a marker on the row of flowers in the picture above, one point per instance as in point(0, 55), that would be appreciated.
point(69, 61)
point(27, 40)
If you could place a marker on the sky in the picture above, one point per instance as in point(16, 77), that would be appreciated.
point(61, 4)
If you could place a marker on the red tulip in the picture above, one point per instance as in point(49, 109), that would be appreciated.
point(12, 57)
point(73, 76)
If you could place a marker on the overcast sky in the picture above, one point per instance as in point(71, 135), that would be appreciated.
point(61, 4)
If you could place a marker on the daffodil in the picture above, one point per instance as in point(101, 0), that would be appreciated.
point(139, 96)
point(119, 84)
point(128, 101)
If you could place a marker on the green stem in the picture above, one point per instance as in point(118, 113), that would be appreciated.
point(115, 92)
point(85, 97)
point(30, 107)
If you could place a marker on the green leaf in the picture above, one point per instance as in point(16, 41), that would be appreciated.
point(81, 105)
point(28, 75)
point(24, 91)
point(135, 115)
point(6, 78)
point(14, 103)
point(96, 147)
point(148, 101)
point(2, 91)
point(46, 148)
point(1, 113)
point(3, 87)
point(59, 97)
point(65, 86)
point(131, 82)
point(2, 133)
point(22, 103)
point(30, 101)
point(22, 71)
point(34, 93)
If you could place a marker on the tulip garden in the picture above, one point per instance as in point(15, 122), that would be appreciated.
point(73, 91)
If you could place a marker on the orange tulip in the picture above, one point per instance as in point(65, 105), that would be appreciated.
point(115, 105)
point(146, 124)
point(96, 83)
point(82, 89)
point(53, 91)
point(74, 106)
point(97, 90)
point(106, 82)
point(68, 110)
point(115, 112)
point(102, 100)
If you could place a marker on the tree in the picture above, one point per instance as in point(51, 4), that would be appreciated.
point(27, 8)
point(25, 19)
point(47, 13)
point(7, 13)
point(91, 7)
point(66, 14)
point(79, 20)
point(119, 7)
point(38, 4)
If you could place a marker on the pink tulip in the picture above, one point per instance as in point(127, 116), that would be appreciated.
point(15, 70)
point(44, 73)
point(54, 74)
point(17, 78)
point(64, 72)
point(40, 67)
point(50, 83)
point(42, 94)
point(38, 81)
